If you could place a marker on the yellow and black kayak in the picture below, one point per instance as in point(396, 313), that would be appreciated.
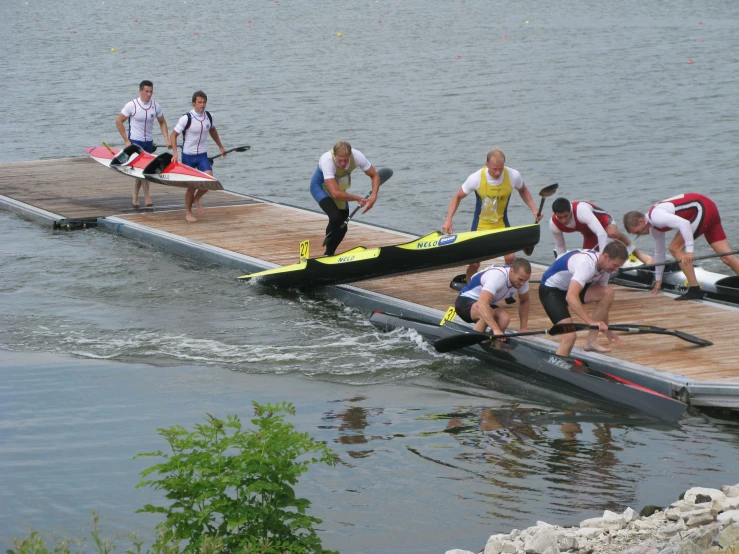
point(433, 251)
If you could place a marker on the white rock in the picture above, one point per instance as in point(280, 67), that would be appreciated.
point(589, 532)
point(551, 550)
point(500, 546)
point(732, 491)
point(540, 541)
point(610, 521)
point(458, 551)
point(629, 515)
point(567, 542)
point(728, 517)
point(499, 537)
point(676, 528)
point(715, 494)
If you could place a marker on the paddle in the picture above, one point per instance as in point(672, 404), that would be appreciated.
point(237, 149)
point(455, 342)
point(697, 258)
point(545, 193)
point(385, 173)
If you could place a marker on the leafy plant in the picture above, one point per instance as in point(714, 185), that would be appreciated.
point(236, 485)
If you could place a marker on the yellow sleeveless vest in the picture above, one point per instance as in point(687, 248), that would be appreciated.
point(343, 178)
point(494, 200)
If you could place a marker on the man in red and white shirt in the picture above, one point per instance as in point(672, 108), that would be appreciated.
point(693, 215)
point(595, 224)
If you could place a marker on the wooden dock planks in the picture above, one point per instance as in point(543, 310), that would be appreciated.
point(79, 188)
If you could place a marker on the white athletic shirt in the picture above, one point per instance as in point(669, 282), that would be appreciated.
point(473, 181)
point(581, 266)
point(584, 215)
point(141, 118)
point(328, 168)
point(495, 280)
point(196, 136)
point(663, 215)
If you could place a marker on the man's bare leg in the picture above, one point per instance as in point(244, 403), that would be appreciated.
point(147, 199)
point(603, 297)
point(567, 342)
point(136, 188)
point(732, 261)
point(198, 195)
point(189, 196)
point(677, 249)
point(471, 270)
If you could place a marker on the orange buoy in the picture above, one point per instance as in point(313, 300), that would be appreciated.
point(690, 61)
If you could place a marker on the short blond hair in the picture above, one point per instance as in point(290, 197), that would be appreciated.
point(631, 220)
point(496, 153)
point(342, 148)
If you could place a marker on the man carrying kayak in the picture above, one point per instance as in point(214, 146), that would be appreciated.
point(195, 126)
point(330, 184)
point(595, 224)
point(141, 114)
point(577, 278)
point(693, 215)
point(477, 302)
point(492, 185)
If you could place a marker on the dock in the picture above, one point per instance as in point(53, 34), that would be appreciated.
point(244, 233)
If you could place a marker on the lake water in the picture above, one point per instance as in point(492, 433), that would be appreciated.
point(105, 339)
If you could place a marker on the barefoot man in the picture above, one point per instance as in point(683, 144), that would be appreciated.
point(477, 303)
point(581, 277)
point(195, 126)
point(140, 114)
point(693, 215)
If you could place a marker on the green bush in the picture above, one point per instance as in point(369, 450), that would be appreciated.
point(236, 485)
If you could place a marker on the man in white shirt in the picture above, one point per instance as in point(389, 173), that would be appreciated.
point(195, 127)
point(595, 224)
point(492, 185)
point(477, 302)
point(581, 277)
point(330, 184)
point(141, 114)
point(693, 215)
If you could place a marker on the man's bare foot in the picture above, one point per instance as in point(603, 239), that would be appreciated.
point(191, 218)
point(148, 203)
point(595, 347)
point(199, 208)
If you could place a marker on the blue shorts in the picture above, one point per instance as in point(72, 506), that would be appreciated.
point(198, 161)
point(147, 145)
point(316, 186)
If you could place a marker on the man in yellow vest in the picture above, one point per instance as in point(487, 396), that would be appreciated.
point(493, 185)
point(329, 187)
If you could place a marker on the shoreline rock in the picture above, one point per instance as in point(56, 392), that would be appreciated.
point(702, 521)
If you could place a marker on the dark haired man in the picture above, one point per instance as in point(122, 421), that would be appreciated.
point(195, 126)
point(595, 224)
point(141, 114)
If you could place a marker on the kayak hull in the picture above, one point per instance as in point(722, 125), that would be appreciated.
point(589, 379)
point(433, 251)
point(136, 163)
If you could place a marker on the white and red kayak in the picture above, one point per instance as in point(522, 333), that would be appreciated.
point(134, 162)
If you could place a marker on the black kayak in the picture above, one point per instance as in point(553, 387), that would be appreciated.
point(587, 378)
point(433, 251)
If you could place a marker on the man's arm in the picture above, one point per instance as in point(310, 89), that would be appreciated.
point(165, 130)
point(529, 201)
point(173, 144)
point(217, 139)
point(560, 246)
point(372, 174)
point(523, 311)
point(452, 209)
point(121, 129)
point(586, 215)
point(573, 301)
point(486, 312)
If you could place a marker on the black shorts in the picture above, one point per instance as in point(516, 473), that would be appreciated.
point(463, 306)
point(554, 301)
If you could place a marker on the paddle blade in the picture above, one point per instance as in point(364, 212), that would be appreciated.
point(385, 173)
point(546, 192)
point(692, 338)
point(455, 342)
